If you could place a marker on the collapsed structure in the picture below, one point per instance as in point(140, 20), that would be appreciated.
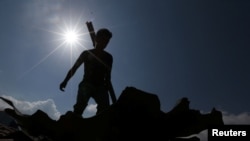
point(135, 116)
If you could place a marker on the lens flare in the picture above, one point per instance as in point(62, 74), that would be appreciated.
point(71, 37)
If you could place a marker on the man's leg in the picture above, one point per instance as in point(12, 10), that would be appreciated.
point(101, 97)
point(82, 99)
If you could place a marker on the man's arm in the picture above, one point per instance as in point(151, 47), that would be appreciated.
point(111, 92)
point(109, 83)
point(71, 72)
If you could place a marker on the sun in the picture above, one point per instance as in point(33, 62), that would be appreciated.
point(70, 33)
point(71, 37)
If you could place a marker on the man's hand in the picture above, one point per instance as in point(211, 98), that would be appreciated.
point(63, 85)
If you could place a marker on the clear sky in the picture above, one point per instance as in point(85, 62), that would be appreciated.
point(192, 48)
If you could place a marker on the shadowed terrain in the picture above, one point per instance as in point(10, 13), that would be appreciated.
point(135, 116)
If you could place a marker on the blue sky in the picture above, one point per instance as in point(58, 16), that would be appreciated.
point(197, 49)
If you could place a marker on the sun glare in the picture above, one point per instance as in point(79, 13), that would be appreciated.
point(71, 34)
point(71, 37)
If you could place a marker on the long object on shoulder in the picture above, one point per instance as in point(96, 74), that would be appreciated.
point(92, 35)
point(91, 32)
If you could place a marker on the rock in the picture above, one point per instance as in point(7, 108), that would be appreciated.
point(135, 116)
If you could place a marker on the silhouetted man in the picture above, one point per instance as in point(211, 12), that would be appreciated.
point(97, 74)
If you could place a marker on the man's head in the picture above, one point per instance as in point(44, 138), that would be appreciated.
point(102, 38)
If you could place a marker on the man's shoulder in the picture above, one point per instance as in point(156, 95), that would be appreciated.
point(107, 53)
point(108, 56)
point(93, 51)
point(84, 54)
point(88, 51)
